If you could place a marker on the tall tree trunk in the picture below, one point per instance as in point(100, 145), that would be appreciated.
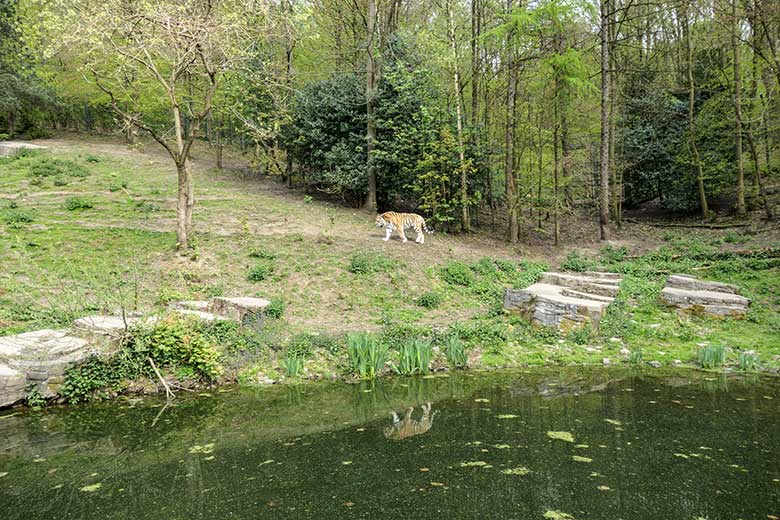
point(184, 178)
point(370, 203)
point(757, 180)
point(556, 164)
point(705, 211)
point(465, 222)
point(566, 159)
point(219, 146)
point(741, 208)
point(604, 151)
point(513, 231)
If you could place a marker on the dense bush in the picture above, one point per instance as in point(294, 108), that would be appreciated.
point(429, 300)
point(457, 273)
point(78, 203)
point(260, 272)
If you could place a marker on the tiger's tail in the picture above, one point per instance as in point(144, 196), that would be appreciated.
point(425, 228)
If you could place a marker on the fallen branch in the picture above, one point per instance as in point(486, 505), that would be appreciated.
point(689, 225)
point(168, 392)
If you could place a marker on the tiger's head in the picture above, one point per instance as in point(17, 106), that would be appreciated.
point(380, 222)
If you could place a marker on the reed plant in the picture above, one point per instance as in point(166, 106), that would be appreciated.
point(455, 350)
point(712, 356)
point(414, 357)
point(366, 354)
point(292, 364)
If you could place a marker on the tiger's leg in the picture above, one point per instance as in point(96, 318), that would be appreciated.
point(388, 232)
point(396, 420)
point(420, 237)
point(401, 232)
point(408, 416)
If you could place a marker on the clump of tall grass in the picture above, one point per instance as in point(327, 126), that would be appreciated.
point(293, 364)
point(712, 356)
point(367, 355)
point(635, 357)
point(455, 350)
point(414, 357)
point(748, 361)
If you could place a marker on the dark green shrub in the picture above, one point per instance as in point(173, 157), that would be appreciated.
point(485, 267)
point(147, 206)
point(528, 273)
point(457, 273)
point(275, 309)
point(429, 300)
point(301, 345)
point(51, 167)
point(92, 158)
point(17, 219)
point(260, 272)
point(575, 262)
point(263, 254)
point(178, 341)
point(614, 254)
point(367, 262)
point(506, 266)
point(78, 204)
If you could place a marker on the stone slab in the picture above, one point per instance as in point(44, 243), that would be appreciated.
point(191, 305)
point(564, 300)
point(239, 309)
point(695, 296)
point(13, 386)
point(8, 148)
point(110, 325)
point(205, 316)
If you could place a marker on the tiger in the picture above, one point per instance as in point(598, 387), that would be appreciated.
point(393, 221)
point(403, 429)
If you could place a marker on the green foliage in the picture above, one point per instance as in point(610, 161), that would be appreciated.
point(613, 255)
point(457, 273)
point(260, 272)
point(366, 354)
point(17, 219)
point(34, 397)
point(505, 266)
point(292, 364)
point(147, 206)
point(455, 350)
point(748, 361)
point(414, 357)
point(735, 238)
point(581, 335)
point(78, 204)
point(575, 262)
point(178, 341)
point(301, 345)
point(94, 379)
point(275, 308)
point(429, 300)
point(636, 357)
point(711, 356)
point(368, 262)
point(263, 254)
point(43, 166)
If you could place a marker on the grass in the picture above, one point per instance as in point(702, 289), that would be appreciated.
point(414, 357)
point(367, 355)
point(253, 239)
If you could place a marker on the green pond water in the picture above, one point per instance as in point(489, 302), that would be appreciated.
point(671, 445)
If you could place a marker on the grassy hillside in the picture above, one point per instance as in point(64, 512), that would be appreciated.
point(87, 226)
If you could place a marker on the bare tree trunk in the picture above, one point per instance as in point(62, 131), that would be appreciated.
point(741, 208)
point(758, 181)
point(556, 164)
point(604, 151)
point(705, 210)
point(219, 145)
point(370, 203)
point(182, 203)
point(465, 222)
point(513, 231)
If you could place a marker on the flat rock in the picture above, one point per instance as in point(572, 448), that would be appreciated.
point(240, 309)
point(192, 305)
point(110, 325)
point(691, 295)
point(205, 316)
point(13, 385)
point(41, 358)
point(565, 300)
point(8, 148)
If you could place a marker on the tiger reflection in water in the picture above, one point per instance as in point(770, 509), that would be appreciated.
point(408, 427)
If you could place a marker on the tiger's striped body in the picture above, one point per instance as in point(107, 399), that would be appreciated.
point(408, 427)
point(393, 221)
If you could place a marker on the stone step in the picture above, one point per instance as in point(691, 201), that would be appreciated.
point(586, 296)
point(205, 316)
point(674, 296)
point(684, 281)
point(240, 309)
point(108, 325)
point(588, 284)
point(191, 305)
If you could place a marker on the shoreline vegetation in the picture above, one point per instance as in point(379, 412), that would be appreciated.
point(345, 306)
